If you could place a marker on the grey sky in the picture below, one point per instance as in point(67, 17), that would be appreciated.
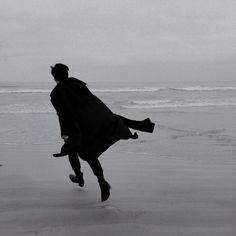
point(118, 39)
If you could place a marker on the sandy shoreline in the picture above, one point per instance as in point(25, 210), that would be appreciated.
point(151, 195)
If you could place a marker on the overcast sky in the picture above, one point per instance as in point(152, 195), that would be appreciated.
point(118, 39)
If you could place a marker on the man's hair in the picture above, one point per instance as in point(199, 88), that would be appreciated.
point(59, 70)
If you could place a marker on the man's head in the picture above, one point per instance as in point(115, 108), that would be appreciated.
point(59, 72)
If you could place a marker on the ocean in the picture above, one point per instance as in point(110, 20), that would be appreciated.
point(191, 116)
point(30, 97)
point(178, 180)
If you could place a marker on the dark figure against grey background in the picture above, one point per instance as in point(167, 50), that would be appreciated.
point(88, 126)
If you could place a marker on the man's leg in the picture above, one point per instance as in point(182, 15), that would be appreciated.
point(98, 172)
point(144, 125)
point(96, 168)
point(75, 164)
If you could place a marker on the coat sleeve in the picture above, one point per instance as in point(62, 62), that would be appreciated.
point(63, 114)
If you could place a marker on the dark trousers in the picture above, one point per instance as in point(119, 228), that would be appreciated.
point(93, 163)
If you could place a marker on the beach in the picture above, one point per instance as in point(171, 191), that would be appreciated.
point(178, 181)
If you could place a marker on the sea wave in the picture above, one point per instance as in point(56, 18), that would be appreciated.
point(45, 108)
point(100, 90)
point(13, 90)
point(26, 109)
point(156, 89)
point(19, 91)
point(168, 103)
point(128, 89)
point(202, 88)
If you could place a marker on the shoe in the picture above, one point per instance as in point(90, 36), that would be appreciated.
point(78, 179)
point(105, 190)
point(135, 136)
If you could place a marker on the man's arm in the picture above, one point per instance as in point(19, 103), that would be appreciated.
point(63, 114)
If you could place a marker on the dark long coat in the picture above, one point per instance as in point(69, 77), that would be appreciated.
point(91, 126)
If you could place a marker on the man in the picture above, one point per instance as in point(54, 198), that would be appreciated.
point(88, 126)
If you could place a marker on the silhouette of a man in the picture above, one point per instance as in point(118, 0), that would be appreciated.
point(88, 126)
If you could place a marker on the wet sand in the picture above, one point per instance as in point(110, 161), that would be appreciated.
point(152, 194)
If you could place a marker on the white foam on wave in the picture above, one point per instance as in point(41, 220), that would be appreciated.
point(156, 89)
point(149, 104)
point(175, 104)
point(128, 89)
point(101, 90)
point(202, 88)
point(19, 91)
point(26, 109)
point(152, 102)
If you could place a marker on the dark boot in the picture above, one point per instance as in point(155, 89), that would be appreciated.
point(105, 189)
point(134, 136)
point(78, 179)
